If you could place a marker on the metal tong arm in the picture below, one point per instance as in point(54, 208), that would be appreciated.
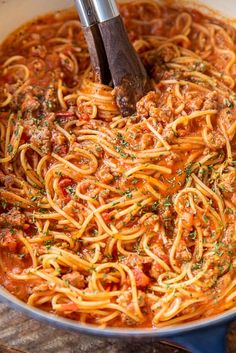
point(86, 12)
point(105, 10)
point(89, 22)
point(112, 54)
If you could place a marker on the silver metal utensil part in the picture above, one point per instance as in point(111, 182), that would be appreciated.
point(105, 9)
point(86, 12)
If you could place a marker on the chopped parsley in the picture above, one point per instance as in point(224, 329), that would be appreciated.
point(134, 181)
point(98, 148)
point(59, 270)
point(48, 244)
point(133, 156)
point(58, 173)
point(167, 202)
point(67, 282)
point(122, 140)
point(179, 171)
point(228, 103)
point(43, 210)
point(128, 194)
point(70, 190)
point(197, 265)
point(137, 248)
point(155, 206)
point(12, 230)
point(187, 203)
point(94, 232)
point(3, 204)
point(193, 235)
point(120, 151)
point(50, 105)
point(9, 148)
point(229, 210)
point(34, 198)
point(219, 248)
point(16, 132)
point(199, 66)
point(188, 170)
point(205, 218)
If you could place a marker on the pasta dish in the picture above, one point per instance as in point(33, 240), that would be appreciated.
point(120, 221)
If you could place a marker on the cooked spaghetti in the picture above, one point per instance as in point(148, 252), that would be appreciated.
point(120, 221)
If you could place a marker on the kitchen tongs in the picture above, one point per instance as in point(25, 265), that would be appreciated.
point(113, 57)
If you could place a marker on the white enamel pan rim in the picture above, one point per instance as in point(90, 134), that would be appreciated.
point(110, 332)
point(14, 13)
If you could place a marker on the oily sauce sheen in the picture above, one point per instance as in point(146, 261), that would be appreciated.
point(111, 220)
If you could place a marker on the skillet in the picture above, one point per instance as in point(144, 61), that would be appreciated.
point(201, 336)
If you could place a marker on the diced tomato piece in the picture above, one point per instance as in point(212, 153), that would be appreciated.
point(84, 116)
point(141, 279)
point(29, 229)
point(25, 137)
point(106, 216)
point(63, 185)
point(26, 226)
